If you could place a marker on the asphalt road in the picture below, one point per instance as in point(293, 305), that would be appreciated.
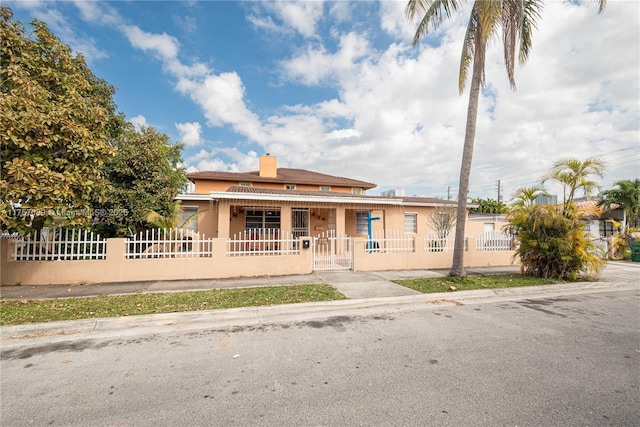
point(543, 361)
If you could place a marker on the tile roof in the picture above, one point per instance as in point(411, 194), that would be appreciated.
point(285, 176)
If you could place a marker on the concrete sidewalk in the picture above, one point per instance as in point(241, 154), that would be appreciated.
point(352, 284)
point(372, 293)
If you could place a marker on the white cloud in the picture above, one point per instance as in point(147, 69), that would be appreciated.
point(315, 65)
point(190, 133)
point(393, 20)
point(58, 24)
point(210, 160)
point(98, 12)
point(139, 121)
point(221, 98)
point(188, 24)
point(163, 45)
point(342, 134)
point(392, 114)
point(301, 17)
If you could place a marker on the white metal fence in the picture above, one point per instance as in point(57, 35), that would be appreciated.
point(494, 241)
point(488, 217)
point(262, 242)
point(390, 241)
point(440, 244)
point(60, 244)
point(168, 243)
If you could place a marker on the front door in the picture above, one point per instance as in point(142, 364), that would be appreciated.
point(299, 222)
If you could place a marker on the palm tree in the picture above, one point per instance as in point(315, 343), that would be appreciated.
point(517, 19)
point(574, 175)
point(526, 196)
point(626, 195)
point(171, 231)
point(172, 219)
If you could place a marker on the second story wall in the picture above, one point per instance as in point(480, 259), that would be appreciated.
point(205, 186)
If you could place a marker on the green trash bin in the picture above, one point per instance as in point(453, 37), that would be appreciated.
point(635, 251)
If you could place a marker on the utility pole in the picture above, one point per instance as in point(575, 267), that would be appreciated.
point(448, 193)
point(498, 191)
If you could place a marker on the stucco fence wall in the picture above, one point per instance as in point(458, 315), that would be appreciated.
point(420, 259)
point(116, 268)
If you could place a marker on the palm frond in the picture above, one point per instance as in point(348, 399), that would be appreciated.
point(432, 13)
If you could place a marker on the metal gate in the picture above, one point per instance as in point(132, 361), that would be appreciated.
point(331, 252)
point(299, 222)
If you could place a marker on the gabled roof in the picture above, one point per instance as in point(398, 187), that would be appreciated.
point(284, 176)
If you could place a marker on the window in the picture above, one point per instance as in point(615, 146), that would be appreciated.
point(255, 218)
point(606, 229)
point(361, 222)
point(357, 191)
point(245, 184)
point(289, 186)
point(410, 223)
point(189, 211)
point(325, 188)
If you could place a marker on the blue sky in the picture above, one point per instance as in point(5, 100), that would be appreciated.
point(336, 87)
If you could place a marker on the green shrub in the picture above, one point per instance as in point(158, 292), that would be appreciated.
point(552, 242)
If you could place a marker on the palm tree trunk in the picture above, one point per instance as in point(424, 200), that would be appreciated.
point(457, 267)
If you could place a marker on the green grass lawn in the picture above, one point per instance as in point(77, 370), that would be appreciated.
point(20, 312)
point(444, 284)
point(14, 312)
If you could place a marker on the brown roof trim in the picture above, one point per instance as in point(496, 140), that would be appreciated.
point(285, 175)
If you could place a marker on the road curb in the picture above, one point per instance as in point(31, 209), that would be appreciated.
point(238, 318)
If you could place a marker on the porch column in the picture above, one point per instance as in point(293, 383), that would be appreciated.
point(285, 219)
point(341, 219)
point(224, 216)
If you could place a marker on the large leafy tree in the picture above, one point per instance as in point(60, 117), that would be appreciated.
point(146, 174)
point(627, 195)
point(575, 175)
point(514, 20)
point(56, 118)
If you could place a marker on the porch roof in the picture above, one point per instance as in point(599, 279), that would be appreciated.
point(240, 193)
point(246, 194)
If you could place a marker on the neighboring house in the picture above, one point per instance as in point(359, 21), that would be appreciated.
point(303, 203)
point(599, 219)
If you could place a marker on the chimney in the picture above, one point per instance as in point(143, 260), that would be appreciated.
point(268, 166)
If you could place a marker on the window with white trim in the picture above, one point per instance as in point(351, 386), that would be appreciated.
point(325, 188)
point(410, 222)
point(188, 212)
point(356, 191)
point(258, 218)
point(289, 186)
point(361, 222)
point(245, 184)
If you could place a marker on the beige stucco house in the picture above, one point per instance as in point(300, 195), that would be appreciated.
point(304, 203)
point(274, 221)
